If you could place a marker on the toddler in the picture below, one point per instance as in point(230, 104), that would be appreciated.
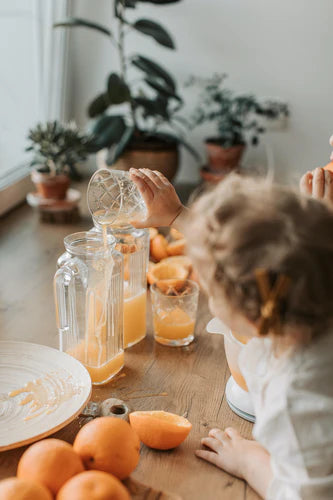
point(264, 256)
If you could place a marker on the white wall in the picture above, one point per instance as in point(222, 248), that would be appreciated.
point(268, 47)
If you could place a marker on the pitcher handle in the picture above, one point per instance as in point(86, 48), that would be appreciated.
point(64, 298)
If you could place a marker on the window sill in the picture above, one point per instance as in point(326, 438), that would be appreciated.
point(14, 193)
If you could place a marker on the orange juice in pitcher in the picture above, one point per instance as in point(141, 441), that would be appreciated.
point(88, 290)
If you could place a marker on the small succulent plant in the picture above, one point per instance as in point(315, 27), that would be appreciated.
point(58, 148)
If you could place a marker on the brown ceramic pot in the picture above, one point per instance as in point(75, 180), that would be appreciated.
point(211, 176)
point(153, 154)
point(53, 187)
point(220, 158)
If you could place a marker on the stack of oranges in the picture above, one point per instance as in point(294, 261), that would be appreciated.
point(105, 451)
point(168, 259)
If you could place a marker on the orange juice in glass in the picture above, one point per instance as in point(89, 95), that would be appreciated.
point(174, 305)
point(134, 245)
point(135, 308)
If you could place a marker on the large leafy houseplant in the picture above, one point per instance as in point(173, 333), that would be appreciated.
point(151, 119)
point(57, 150)
point(237, 117)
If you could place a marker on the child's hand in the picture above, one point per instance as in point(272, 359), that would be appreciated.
point(160, 197)
point(241, 457)
point(318, 184)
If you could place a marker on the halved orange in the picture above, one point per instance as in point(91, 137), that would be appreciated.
point(164, 271)
point(175, 234)
point(176, 247)
point(159, 429)
point(182, 260)
point(158, 247)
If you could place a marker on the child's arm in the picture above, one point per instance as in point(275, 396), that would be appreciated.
point(241, 457)
point(164, 208)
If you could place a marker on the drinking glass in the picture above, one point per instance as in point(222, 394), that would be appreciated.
point(174, 306)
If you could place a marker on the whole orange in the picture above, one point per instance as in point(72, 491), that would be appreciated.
point(14, 488)
point(108, 444)
point(158, 247)
point(50, 462)
point(93, 485)
point(159, 429)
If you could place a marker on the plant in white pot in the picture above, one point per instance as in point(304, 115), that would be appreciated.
point(148, 130)
point(57, 151)
point(238, 121)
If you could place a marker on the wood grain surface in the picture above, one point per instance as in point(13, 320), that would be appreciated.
point(193, 377)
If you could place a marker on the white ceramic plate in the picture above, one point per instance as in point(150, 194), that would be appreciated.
point(65, 382)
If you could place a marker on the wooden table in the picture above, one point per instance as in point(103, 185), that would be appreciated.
point(193, 377)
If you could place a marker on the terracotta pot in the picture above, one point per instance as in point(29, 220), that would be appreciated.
point(49, 186)
point(211, 176)
point(156, 155)
point(225, 159)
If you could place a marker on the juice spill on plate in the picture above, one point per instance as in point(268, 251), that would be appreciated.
point(134, 318)
point(237, 376)
point(45, 394)
point(175, 324)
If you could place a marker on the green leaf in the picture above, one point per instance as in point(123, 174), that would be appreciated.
point(131, 4)
point(123, 143)
point(108, 129)
point(153, 107)
point(162, 89)
point(154, 30)
point(98, 105)
point(154, 70)
point(118, 92)
point(76, 22)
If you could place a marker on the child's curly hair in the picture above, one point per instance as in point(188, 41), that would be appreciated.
point(246, 224)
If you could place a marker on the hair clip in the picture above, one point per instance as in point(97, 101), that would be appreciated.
point(270, 296)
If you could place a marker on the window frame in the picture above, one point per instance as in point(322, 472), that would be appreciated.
point(16, 183)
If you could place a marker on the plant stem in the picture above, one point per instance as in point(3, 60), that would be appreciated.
point(122, 57)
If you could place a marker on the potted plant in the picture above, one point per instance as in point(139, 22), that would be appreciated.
point(57, 150)
point(149, 131)
point(238, 120)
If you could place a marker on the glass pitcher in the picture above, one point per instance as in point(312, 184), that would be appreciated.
point(134, 245)
point(88, 290)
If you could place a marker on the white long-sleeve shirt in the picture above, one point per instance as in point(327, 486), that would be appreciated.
point(293, 400)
